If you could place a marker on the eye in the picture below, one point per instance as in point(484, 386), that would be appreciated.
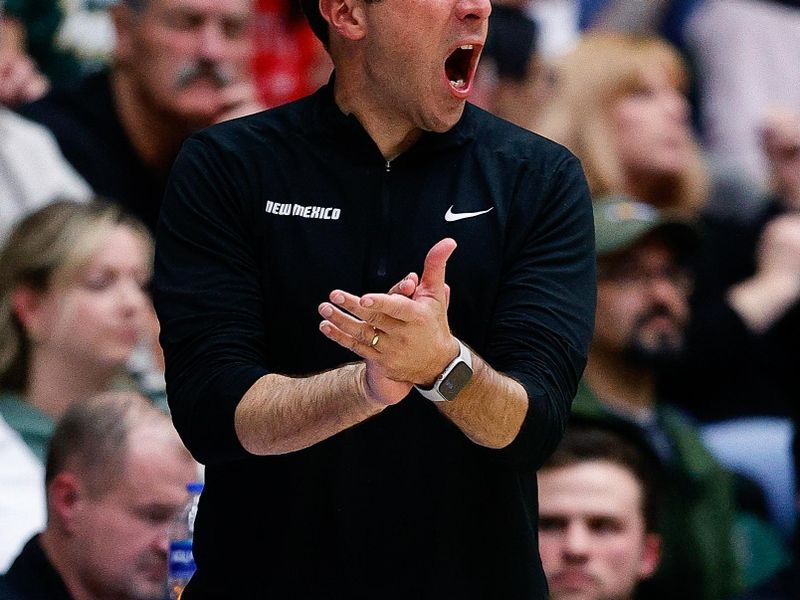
point(552, 524)
point(183, 21)
point(605, 525)
point(155, 515)
point(233, 29)
point(98, 281)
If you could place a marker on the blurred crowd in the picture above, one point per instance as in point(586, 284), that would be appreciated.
point(676, 477)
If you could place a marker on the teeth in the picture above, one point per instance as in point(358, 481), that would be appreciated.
point(466, 47)
point(458, 83)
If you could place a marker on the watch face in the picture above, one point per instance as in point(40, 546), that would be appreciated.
point(455, 381)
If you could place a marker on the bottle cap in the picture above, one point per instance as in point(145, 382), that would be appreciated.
point(195, 487)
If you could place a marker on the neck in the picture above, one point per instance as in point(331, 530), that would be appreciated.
point(618, 384)
point(154, 134)
point(56, 383)
point(391, 133)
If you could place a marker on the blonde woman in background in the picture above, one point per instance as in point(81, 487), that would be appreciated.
point(73, 308)
point(619, 103)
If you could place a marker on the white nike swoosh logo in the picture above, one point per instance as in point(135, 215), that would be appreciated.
point(450, 216)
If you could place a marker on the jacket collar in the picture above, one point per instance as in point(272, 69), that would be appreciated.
point(348, 133)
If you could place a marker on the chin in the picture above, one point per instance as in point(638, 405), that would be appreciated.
point(444, 121)
point(203, 110)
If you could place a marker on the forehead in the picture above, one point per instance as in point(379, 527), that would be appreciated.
point(157, 468)
point(231, 7)
point(589, 488)
point(121, 245)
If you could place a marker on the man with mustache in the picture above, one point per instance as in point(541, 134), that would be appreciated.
point(179, 66)
point(644, 281)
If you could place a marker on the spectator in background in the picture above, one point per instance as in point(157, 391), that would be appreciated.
point(32, 170)
point(116, 477)
point(72, 310)
point(598, 514)
point(642, 310)
point(619, 105)
point(643, 287)
point(746, 54)
point(179, 65)
point(32, 27)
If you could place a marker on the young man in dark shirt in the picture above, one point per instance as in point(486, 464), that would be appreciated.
point(408, 473)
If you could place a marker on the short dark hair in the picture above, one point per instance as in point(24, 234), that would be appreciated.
point(588, 439)
point(92, 438)
point(315, 20)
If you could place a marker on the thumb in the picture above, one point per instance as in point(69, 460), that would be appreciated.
point(432, 280)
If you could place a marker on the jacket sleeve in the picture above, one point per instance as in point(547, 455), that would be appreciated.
point(207, 293)
point(544, 315)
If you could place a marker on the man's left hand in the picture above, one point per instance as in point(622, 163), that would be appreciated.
point(414, 343)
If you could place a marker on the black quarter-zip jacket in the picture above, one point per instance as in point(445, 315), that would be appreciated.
point(262, 218)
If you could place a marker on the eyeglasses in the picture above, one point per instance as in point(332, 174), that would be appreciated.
point(631, 274)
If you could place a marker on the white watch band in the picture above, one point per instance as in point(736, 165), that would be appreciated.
point(433, 394)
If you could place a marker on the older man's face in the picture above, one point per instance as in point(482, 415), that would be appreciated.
point(183, 54)
point(122, 535)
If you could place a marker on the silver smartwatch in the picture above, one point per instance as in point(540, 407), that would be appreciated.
point(452, 380)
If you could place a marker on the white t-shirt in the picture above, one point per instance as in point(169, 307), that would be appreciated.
point(33, 172)
point(22, 499)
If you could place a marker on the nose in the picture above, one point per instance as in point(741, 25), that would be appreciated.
point(473, 10)
point(677, 106)
point(576, 541)
point(132, 298)
point(212, 44)
point(161, 541)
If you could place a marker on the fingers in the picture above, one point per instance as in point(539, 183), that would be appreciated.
point(386, 316)
point(406, 286)
point(335, 334)
point(435, 262)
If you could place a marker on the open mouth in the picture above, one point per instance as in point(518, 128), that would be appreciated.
point(459, 68)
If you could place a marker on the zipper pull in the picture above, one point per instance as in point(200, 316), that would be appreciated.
point(388, 166)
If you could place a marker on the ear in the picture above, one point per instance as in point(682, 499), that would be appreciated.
point(64, 500)
point(124, 20)
point(27, 306)
point(651, 555)
point(345, 17)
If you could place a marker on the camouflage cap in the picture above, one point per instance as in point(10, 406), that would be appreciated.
point(620, 222)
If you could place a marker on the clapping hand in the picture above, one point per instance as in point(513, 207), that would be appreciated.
point(403, 335)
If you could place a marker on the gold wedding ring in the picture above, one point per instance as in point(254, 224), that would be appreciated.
point(375, 339)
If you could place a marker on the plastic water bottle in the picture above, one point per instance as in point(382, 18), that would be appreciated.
point(180, 562)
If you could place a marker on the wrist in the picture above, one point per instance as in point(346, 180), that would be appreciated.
point(453, 349)
point(368, 402)
point(453, 378)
